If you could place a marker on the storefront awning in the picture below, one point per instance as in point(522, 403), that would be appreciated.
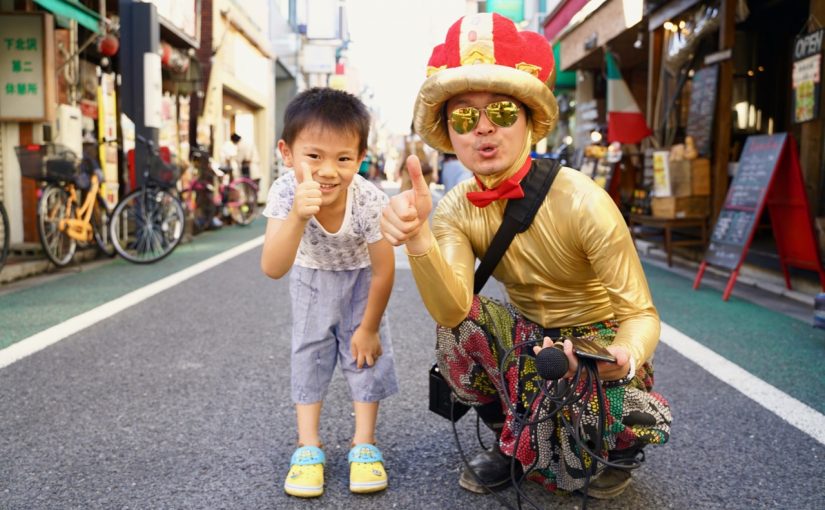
point(564, 79)
point(559, 19)
point(599, 24)
point(73, 9)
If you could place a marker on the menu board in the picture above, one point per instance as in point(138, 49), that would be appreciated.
point(703, 108)
point(745, 201)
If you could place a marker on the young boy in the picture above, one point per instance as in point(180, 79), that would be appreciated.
point(324, 224)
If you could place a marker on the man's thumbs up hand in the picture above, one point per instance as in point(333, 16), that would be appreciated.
point(307, 200)
point(421, 189)
point(408, 211)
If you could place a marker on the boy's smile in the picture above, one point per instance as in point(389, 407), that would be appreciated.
point(333, 157)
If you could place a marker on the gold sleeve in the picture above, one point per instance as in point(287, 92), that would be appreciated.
point(616, 264)
point(444, 274)
point(575, 265)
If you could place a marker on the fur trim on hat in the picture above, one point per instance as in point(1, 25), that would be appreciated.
point(486, 53)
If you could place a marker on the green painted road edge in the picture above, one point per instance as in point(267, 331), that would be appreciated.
point(782, 351)
point(31, 310)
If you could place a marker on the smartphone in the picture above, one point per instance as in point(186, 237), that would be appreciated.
point(586, 348)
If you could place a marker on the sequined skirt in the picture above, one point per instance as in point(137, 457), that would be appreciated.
point(485, 359)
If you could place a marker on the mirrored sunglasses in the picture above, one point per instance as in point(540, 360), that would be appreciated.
point(500, 113)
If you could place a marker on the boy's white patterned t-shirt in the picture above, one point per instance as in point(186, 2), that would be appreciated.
point(338, 251)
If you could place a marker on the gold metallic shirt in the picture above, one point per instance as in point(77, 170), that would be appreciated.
point(575, 265)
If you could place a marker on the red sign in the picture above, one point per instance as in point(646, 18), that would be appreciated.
point(768, 175)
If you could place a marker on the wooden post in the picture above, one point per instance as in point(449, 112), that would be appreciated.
point(721, 150)
point(654, 71)
point(811, 138)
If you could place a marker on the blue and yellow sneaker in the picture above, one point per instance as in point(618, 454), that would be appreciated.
point(306, 473)
point(366, 469)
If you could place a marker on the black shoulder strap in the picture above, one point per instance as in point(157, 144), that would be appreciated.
point(518, 215)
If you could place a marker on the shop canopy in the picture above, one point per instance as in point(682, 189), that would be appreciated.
point(564, 79)
point(73, 9)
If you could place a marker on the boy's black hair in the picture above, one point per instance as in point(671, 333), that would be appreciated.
point(235, 137)
point(330, 109)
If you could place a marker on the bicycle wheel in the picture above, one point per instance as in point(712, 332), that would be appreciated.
point(5, 235)
point(147, 225)
point(197, 201)
point(100, 224)
point(242, 202)
point(52, 208)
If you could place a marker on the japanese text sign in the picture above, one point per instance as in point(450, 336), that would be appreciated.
point(22, 74)
point(807, 63)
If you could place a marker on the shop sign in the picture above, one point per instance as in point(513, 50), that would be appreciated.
point(323, 19)
point(152, 90)
point(22, 83)
point(513, 9)
point(107, 132)
point(807, 66)
point(250, 66)
point(317, 58)
point(183, 14)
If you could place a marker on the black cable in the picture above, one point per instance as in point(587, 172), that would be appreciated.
point(478, 432)
point(501, 500)
point(586, 373)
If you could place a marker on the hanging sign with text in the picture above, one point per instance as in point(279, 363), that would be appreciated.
point(806, 81)
point(703, 108)
point(22, 73)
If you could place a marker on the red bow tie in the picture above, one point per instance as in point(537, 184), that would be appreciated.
point(510, 188)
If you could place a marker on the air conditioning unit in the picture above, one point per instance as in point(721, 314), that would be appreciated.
point(69, 129)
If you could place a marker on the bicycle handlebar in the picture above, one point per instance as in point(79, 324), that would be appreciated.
point(150, 144)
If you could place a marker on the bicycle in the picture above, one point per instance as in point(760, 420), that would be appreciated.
point(5, 235)
point(71, 210)
point(213, 190)
point(148, 223)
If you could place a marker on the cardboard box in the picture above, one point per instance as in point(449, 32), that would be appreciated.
point(690, 178)
point(700, 177)
point(680, 179)
point(680, 207)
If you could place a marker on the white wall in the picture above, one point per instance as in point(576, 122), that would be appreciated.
point(12, 198)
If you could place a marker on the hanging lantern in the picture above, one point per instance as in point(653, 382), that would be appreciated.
point(165, 53)
point(108, 45)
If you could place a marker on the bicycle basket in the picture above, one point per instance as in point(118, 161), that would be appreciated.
point(50, 162)
point(163, 173)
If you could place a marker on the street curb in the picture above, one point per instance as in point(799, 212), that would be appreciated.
point(803, 292)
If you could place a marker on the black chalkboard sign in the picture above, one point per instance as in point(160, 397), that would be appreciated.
point(702, 108)
point(745, 201)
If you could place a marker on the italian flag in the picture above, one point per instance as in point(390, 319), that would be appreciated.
point(625, 122)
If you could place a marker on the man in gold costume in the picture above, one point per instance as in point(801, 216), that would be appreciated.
point(573, 273)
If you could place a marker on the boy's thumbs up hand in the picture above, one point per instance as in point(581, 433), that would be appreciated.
point(307, 200)
point(408, 211)
point(306, 172)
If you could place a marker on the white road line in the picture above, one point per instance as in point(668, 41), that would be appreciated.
point(798, 414)
point(54, 334)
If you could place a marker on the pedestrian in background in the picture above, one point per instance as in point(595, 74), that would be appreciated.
point(453, 172)
point(324, 225)
point(229, 152)
point(574, 272)
point(249, 160)
point(414, 146)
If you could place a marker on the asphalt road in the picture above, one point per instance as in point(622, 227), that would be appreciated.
point(182, 401)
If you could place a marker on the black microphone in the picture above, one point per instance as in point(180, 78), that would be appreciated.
point(551, 363)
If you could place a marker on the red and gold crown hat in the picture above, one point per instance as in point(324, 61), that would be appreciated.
point(485, 52)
